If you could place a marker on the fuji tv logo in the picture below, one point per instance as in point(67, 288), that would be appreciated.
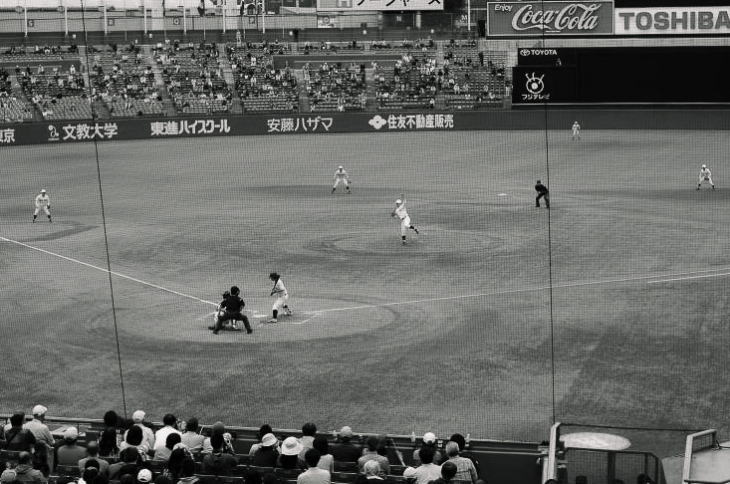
point(377, 121)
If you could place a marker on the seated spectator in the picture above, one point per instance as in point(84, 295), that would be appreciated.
point(309, 430)
point(427, 471)
point(345, 450)
point(267, 454)
point(371, 453)
point(218, 462)
point(163, 454)
point(88, 475)
point(289, 458)
point(461, 442)
point(263, 430)
point(170, 427)
point(313, 474)
point(176, 462)
point(148, 436)
point(429, 440)
point(448, 471)
point(40, 430)
point(8, 476)
point(24, 470)
point(130, 463)
point(108, 443)
point(371, 474)
point(16, 437)
point(326, 460)
point(70, 453)
point(134, 437)
point(187, 472)
point(191, 437)
point(92, 453)
point(219, 428)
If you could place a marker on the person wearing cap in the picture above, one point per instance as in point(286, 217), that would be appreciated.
point(371, 453)
point(70, 453)
point(542, 192)
point(344, 450)
point(218, 462)
point(24, 470)
point(429, 440)
point(290, 449)
point(427, 471)
point(465, 470)
point(705, 176)
point(16, 437)
point(170, 427)
point(266, 455)
point(405, 219)
point(144, 476)
point(313, 474)
point(40, 430)
point(92, 454)
point(148, 435)
point(191, 437)
point(341, 176)
point(42, 202)
point(263, 430)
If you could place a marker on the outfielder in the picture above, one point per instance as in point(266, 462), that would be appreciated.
point(341, 176)
point(42, 202)
point(576, 131)
point(705, 175)
point(405, 220)
point(281, 295)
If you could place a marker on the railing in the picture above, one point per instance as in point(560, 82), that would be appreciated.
point(550, 468)
point(689, 450)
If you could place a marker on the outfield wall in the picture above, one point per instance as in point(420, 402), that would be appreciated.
point(384, 122)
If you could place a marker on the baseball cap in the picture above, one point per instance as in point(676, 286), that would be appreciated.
point(144, 475)
point(8, 475)
point(268, 440)
point(138, 416)
point(71, 433)
point(346, 431)
point(398, 202)
point(429, 438)
point(291, 446)
point(43, 190)
point(39, 410)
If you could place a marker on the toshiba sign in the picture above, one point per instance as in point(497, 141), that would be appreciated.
point(672, 20)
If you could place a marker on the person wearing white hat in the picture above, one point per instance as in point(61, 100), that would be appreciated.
point(405, 220)
point(705, 175)
point(144, 475)
point(341, 176)
point(42, 202)
point(148, 435)
point(266, 455)
point(344, 450)
point(40, 430)
point(429, 440)
point(290, 449)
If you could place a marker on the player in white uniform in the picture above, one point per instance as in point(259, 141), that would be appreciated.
point(42, 202)
point(405, 220)
point(705, 175)
point(281, 295)
point(576, 131)
point(341, 176)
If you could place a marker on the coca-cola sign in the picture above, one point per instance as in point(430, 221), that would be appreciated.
point(549, 18)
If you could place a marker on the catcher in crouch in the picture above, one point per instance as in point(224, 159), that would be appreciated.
point(230, 309)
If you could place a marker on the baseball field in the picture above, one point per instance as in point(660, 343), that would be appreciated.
point(610, 308)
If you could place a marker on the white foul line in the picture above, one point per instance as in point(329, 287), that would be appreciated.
point(71, 259)
point(658, 281)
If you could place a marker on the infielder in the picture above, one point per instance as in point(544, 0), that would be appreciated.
point(576, 131)
point(281, 295)
point(341, 176)
point(42, 202)
point(705, 175)
point(405, 220)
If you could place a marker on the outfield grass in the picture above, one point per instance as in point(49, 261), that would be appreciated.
point(451, 332)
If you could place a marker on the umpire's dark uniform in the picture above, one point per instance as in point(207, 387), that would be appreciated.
point(233, 307)
point(542, 192)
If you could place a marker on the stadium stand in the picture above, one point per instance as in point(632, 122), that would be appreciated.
point(123, 79)
point(12, 109)
point(194, 77)
point(260, 85)
point(336, 88)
